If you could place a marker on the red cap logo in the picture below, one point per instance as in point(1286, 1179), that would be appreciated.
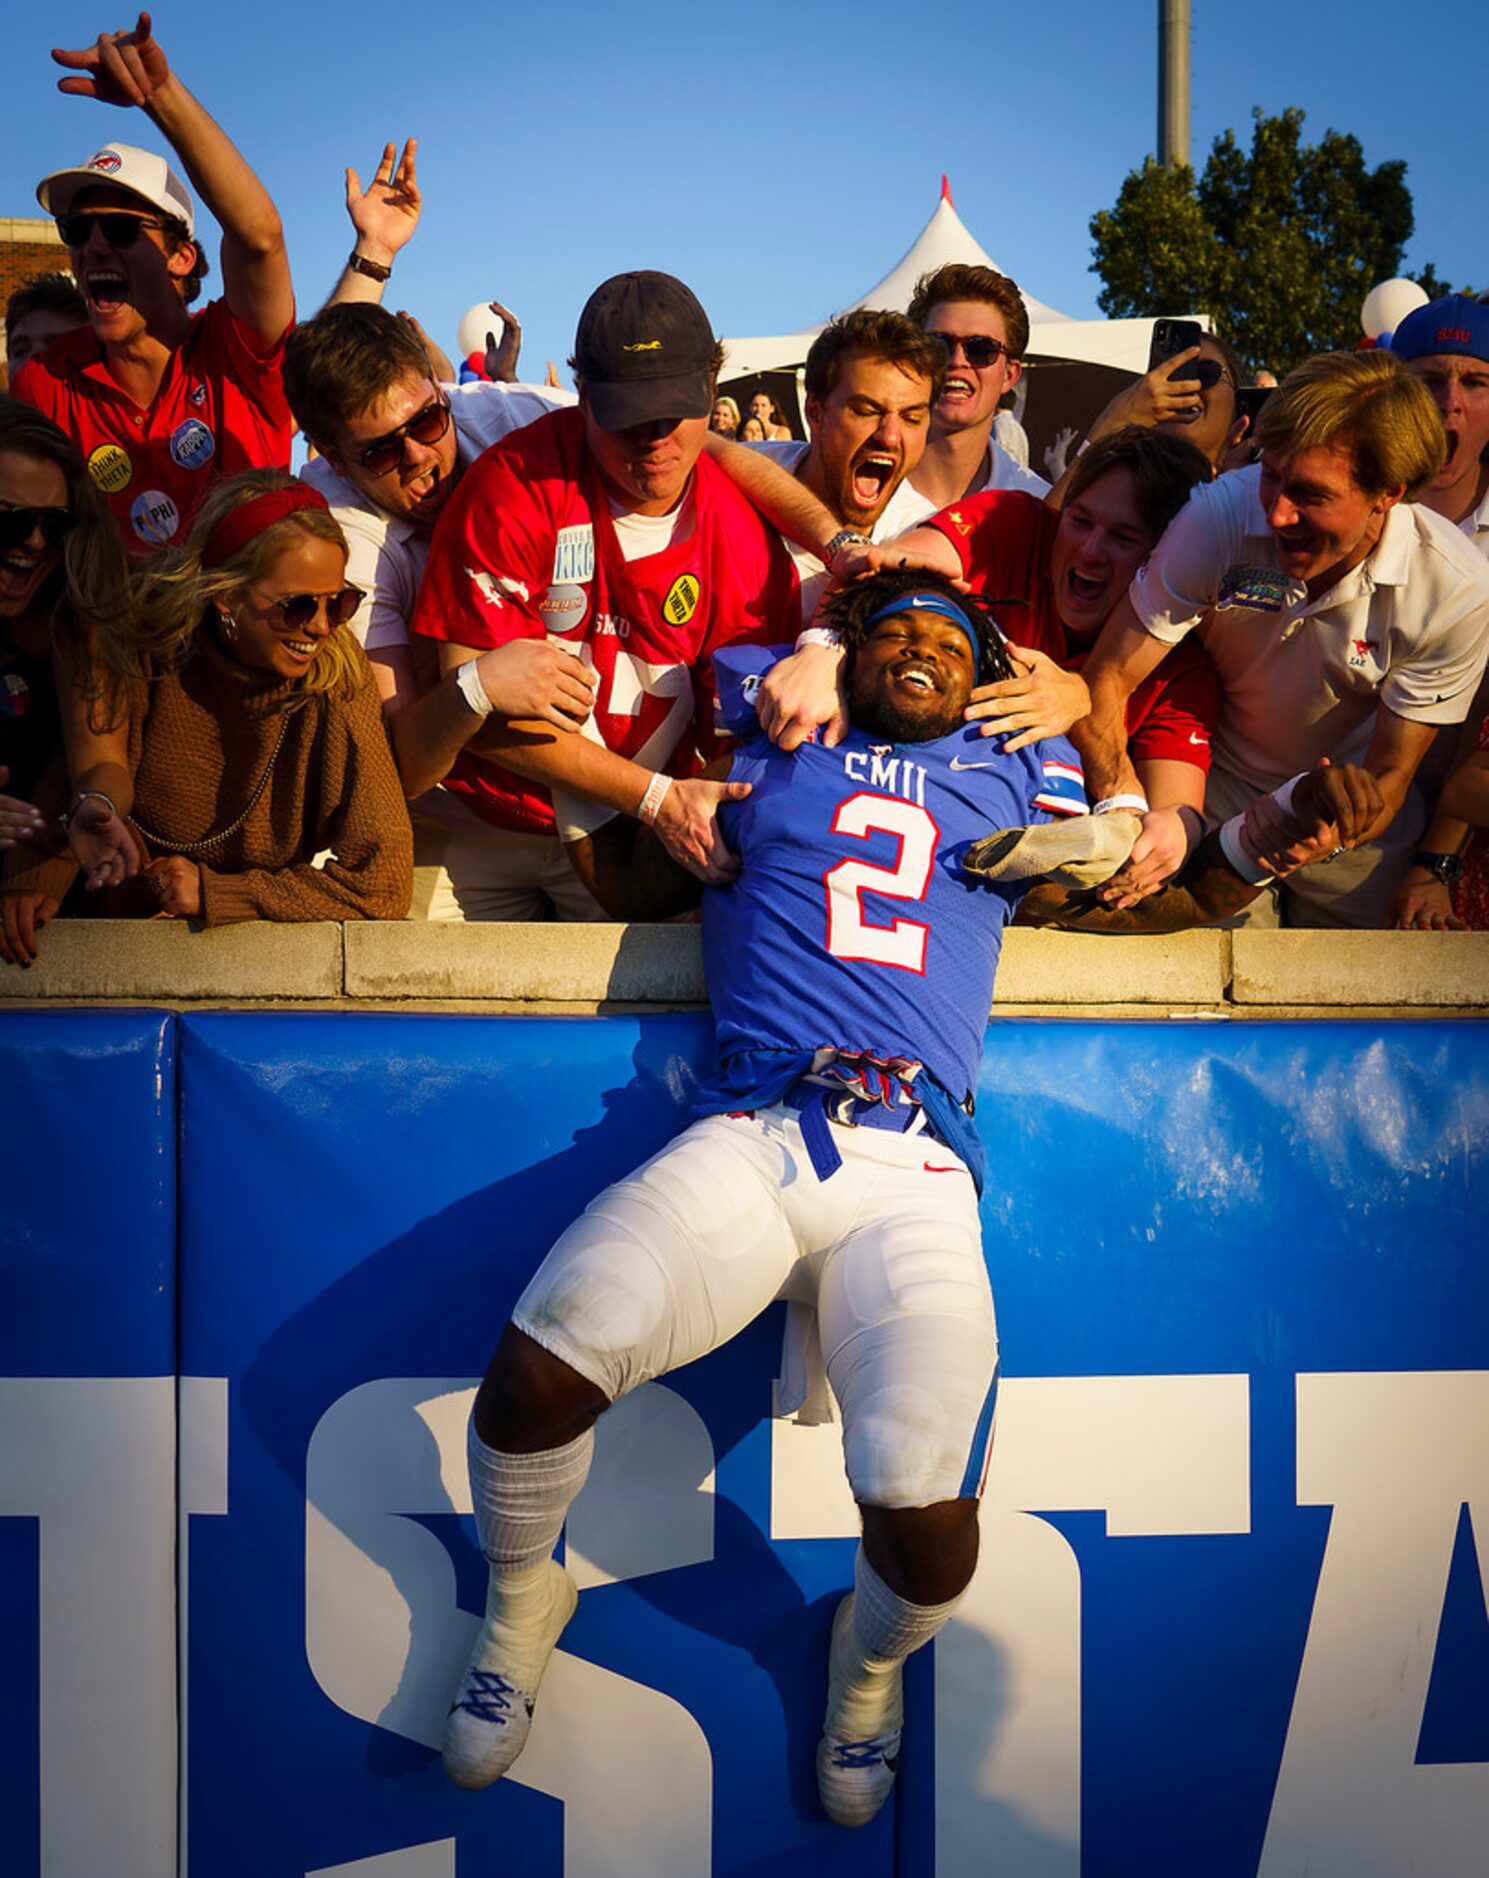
point(105, 160)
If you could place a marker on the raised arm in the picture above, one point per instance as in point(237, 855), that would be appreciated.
point(131, 70)
point(383, 218)
point(502, 354)
point(1150, 401)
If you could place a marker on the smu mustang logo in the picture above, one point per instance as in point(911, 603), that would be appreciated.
point(496, 589)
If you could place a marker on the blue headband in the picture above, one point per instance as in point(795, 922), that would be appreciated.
point(931, 603)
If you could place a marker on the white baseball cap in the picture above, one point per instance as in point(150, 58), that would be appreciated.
point(141, 172)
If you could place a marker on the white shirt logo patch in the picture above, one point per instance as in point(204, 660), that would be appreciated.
point(574, 555)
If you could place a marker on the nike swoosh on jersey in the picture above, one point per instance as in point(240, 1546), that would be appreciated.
point(957, 763)
point(1195, 737)
point(958, 1169)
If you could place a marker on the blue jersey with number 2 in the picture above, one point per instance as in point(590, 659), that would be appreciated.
point(852, 924)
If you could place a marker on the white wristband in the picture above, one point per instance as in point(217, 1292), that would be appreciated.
point(1245, 864)
point(1283, 797)
point(656, 795)
point(468, 684)
point(1135, 802)
point(819, 636)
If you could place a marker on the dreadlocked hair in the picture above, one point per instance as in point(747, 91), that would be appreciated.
point(851, 608)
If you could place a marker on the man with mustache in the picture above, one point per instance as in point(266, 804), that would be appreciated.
point(163, 401)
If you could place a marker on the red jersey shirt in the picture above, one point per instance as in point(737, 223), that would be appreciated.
point(1005, 541)
point(220, 409)
point(526, 547)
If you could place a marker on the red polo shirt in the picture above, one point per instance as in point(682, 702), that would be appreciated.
point(220, 409)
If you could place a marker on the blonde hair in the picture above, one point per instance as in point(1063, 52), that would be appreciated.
point(175, 592)
point(1367, 403)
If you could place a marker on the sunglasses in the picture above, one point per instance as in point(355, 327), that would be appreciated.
point(1207, 373)
point(977, 349)
point(18, 525)
point(296, 610)
point(120, 230)
point(385, 453)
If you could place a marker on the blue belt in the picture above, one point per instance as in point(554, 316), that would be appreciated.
point(818, 1104)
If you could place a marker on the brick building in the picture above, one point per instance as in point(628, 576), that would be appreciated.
point(28, 246)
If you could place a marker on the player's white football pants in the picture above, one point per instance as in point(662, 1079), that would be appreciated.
point(672, 1262)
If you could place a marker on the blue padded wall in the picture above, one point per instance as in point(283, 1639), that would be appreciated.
point(88, 1443)
point(1230, 1615)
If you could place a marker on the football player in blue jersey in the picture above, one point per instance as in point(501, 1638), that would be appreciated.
point(851, 972)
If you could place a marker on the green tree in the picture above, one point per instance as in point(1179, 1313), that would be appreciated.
point(1279, 244)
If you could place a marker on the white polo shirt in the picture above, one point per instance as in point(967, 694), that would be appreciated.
point(1408, 628)
point(387, 552)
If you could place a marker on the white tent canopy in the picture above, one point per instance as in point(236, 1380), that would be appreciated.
point(1122, 344)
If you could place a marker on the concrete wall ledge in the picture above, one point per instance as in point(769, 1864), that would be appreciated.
point(1427, 970)
point(583, 968)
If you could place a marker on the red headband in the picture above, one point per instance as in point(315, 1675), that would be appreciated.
point(251, 518)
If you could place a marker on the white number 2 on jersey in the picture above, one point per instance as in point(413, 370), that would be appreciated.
point(849, 934)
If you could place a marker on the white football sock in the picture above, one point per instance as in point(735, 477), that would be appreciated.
point(886, 1627)
point(521, 1500)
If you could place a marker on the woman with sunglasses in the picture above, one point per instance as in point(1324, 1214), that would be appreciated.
point(247, 739)
point(62, 570)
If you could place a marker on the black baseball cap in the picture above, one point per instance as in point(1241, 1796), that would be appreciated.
point(644, 350)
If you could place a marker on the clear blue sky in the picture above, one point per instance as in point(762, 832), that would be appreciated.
point(779, 157)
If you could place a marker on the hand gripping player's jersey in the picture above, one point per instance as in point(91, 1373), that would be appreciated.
point(526, 547)
point(852, 925)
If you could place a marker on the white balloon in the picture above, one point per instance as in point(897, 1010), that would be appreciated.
point(474, 325)
point(1387, 304)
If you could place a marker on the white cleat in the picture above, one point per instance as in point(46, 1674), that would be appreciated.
point(486, 1728)
point(860, 1746)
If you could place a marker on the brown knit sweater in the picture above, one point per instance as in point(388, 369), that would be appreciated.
point(199, 740)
